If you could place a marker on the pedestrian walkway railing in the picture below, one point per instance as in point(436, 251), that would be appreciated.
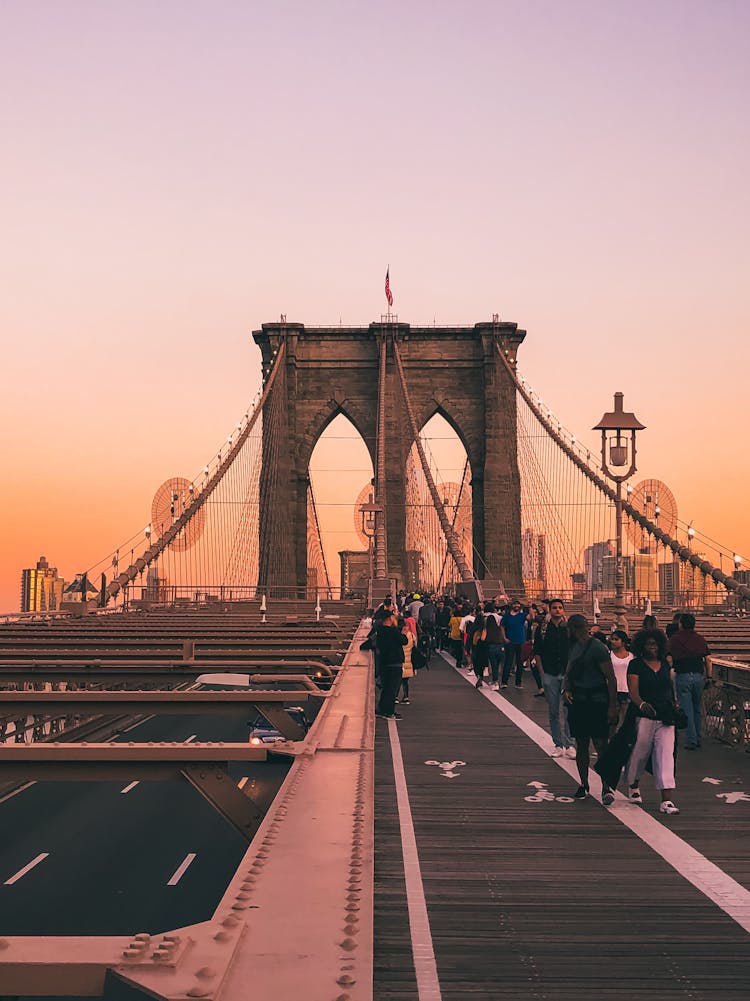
point(726, 703)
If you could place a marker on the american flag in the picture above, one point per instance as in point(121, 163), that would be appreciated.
point(388, 294)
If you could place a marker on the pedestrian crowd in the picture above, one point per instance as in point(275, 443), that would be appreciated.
point(626, 696)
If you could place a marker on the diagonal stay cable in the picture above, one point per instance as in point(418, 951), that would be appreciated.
point(200, 499)
point(681, 551)
point(449, 532)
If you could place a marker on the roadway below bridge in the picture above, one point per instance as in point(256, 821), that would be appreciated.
point(104, 858)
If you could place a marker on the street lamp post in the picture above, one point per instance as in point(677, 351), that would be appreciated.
point(369, 514)
point(618, 451)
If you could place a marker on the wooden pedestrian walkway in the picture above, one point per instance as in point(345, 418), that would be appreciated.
point(531, 895)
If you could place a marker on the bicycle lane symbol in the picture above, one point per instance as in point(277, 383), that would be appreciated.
point(543, 795)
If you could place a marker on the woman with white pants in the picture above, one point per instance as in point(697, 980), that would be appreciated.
point(650, 687)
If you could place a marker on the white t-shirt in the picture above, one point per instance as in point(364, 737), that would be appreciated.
point(620, 665)
point(466, 619)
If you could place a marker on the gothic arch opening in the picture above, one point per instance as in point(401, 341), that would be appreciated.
point(427, 553)
point(338, 547)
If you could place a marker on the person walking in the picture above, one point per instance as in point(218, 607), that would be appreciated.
point(650, 688)
point(454, 634)
point(691, 661)
point(467, 626)
point(621, 657)
point(480, 656)
point(390, 642)
point(551, 656)
point(407, 668)
point(496, 641)
point(533, 619)
point(590, 692)
point(514, 624)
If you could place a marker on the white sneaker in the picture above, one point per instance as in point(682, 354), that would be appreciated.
point(557, 752)
point(668, 807)
point(570, 752)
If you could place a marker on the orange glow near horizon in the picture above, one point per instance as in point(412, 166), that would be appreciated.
point(593, 192)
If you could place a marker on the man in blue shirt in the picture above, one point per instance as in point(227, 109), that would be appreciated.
point(514, 624)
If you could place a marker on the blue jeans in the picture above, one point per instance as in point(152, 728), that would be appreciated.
point(495, 653)
point(689, 688)
point(553, 695)
point(513, 656)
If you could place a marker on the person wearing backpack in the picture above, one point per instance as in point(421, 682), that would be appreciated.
point(590, 693)
point(496, 642)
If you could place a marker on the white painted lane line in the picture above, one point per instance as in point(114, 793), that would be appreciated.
point(26, 868)
point(243, 782)
point(129, 787)
point(191, 737)
point(425, 967)
point(705, 875)
point(181, 869)
point(139, 723)
point(15, 792)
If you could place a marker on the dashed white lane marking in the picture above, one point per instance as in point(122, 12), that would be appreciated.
point(243, 782)
point(181, 869)
point(191, 737)
point(705, 875)
point(15, 792)
point(425, 967)
point(26, 868)
point(129, 787)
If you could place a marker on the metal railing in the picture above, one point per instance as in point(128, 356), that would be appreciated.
point(726, 703)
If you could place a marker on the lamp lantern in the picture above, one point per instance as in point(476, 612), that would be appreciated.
point(618, 428)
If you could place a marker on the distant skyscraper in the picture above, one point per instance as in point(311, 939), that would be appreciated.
point(533, 556)
point(41, 588)
point(593, 557)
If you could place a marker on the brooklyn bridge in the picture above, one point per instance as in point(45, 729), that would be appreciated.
point(197, 800)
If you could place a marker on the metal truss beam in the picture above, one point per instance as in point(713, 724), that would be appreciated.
point(268, 704)
point(148, 672)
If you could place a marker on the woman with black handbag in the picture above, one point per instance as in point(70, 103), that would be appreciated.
point(650, 685)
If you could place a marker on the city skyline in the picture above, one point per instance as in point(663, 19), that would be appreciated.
point(594, 192)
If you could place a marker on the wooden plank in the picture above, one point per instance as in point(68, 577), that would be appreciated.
point(549, 899)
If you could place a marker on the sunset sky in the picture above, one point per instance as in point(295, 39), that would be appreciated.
point(176, 173)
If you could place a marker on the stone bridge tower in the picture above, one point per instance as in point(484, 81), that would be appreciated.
point(453, 371)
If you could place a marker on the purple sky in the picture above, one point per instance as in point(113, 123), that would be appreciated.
point(174, 174)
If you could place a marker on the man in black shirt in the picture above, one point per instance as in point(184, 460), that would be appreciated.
point(390, 644)
point(551, 654)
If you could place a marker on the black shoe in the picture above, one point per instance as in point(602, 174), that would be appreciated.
point(539, 695)
point(479, 683)
point(395, 716)
point(608, 797)
point(581, 792)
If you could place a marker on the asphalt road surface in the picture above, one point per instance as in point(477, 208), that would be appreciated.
point(104, 858)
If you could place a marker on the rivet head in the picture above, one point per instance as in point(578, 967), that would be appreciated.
point(346, 980)
point(205, 973)
point(348, 944)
